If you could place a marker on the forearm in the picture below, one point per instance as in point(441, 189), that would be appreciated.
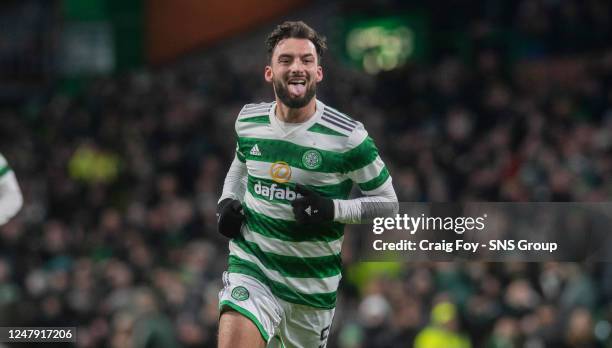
point(235, 182)
point(11, 199)
point(382, 202)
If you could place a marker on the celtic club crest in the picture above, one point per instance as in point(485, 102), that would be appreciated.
point(240, 293)
point(312, 159)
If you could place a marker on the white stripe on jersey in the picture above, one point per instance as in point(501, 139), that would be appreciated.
point(300, 249)
point(268, 208)
point(379, 189)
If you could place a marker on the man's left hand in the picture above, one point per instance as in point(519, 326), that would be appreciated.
point(312, 208)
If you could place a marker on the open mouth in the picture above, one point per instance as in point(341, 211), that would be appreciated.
point(297, 86)
point(297, 82)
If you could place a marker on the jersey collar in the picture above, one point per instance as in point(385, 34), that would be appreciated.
point(298, 129)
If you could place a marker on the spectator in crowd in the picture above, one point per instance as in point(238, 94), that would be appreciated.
point(443, 329)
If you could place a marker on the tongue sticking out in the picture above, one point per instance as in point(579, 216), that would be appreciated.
point(297, 89)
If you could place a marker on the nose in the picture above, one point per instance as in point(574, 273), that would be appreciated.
point(296, 66)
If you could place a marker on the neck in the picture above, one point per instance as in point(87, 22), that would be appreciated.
point(293, 115)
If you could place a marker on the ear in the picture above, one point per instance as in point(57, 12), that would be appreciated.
point(268, 73)
point(319, 74)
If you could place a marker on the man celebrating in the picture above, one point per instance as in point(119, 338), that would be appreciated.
point(285, 202)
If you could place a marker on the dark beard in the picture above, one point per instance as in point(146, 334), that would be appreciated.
point(282, 92)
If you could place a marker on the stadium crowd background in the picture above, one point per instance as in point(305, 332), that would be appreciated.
point(121, 181)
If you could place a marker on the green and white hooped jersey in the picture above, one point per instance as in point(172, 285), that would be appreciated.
point(328, 154)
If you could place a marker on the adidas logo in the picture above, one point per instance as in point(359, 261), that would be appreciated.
point(311, 211)
point(255, 151)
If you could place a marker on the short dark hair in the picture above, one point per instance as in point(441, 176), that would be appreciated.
point(296, 30)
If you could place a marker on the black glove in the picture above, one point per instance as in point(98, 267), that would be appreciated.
point(229, 217)
point(312, 208)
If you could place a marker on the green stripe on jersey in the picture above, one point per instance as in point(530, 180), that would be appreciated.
point(322, 301)
point(319, 128)
point(4, 170)
point(362, 155)
point(292, 266)
point(263, 119)
point(262, 189)
point(376, 182)
point(291, 231)
point(332, 162)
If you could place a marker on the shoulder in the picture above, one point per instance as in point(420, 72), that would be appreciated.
point(253, 115)
point(3, 162)
point(341, 124)
point(255, 109)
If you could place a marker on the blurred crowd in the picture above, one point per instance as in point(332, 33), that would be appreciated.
point(117, 235)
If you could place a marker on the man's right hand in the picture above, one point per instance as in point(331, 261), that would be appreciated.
point(229, 217)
